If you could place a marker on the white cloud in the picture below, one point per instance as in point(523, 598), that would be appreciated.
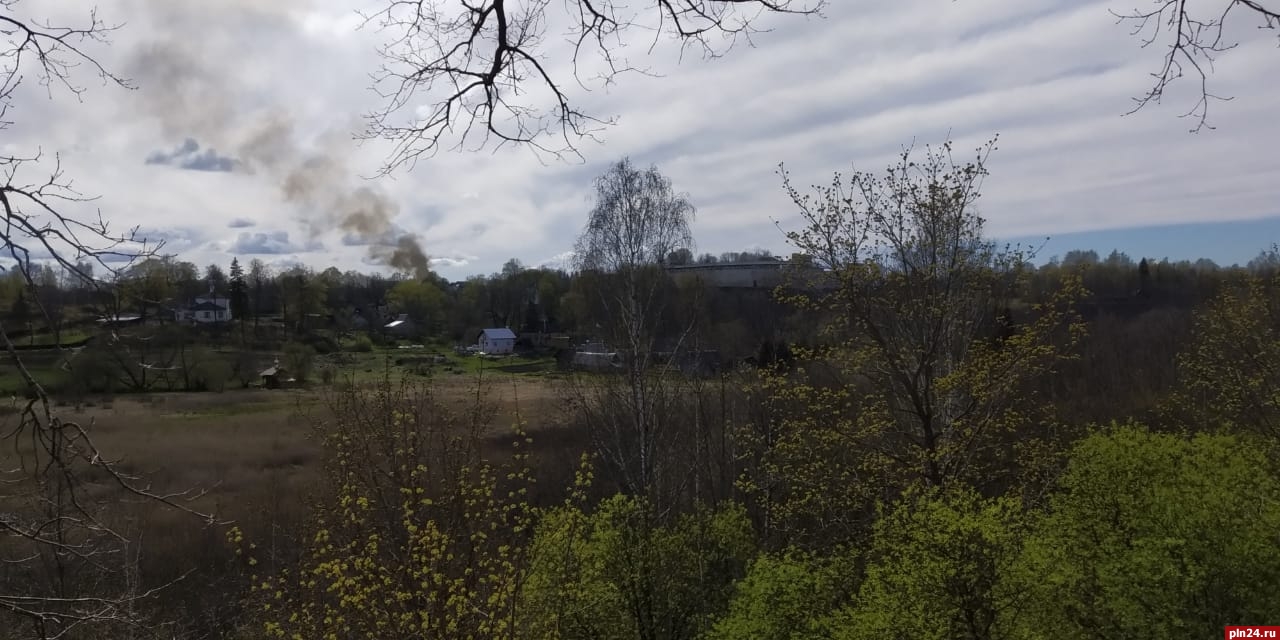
point(1052, 78)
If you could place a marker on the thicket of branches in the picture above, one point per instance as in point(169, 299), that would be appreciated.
point(71, 567)
point(1194, 35)
point(492, 72)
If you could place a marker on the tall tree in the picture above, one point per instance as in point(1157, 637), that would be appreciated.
point(422, 301)
point(1155, 536)
point(915, 293)
point(303, 295)
point(259, 277)
point(215, 279)
point(20, 315)
point(637, 221)
point(1230, 372)
point(239, 293)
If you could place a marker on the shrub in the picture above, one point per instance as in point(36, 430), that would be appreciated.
point(298, 360)
point(1157, 536)
point(209, 371)
point(245, 368)
point(938, 568)
point(588, 570)
point(785, 596)
point(92, 371)
point(362, 344)
point(417, 539)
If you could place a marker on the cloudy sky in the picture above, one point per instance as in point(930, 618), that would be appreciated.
point(234, 97)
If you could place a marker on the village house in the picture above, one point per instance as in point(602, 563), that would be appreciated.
point(207, 309)
point(497, 341)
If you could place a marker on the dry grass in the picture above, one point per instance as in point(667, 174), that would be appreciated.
point(254, 458)
point(249, 448)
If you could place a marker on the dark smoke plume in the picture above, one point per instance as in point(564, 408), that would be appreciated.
point(192, 97)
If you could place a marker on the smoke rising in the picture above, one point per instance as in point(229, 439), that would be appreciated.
point(190, 95)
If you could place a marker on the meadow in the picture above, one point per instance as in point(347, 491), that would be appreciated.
point(253, 457)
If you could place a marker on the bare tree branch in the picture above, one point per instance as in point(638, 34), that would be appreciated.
point(1193, 42)
point(67, 569)
point(461, 78)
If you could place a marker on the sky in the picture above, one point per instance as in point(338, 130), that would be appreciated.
point(237, 138)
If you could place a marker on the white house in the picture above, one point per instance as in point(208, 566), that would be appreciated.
point(501, 340)
point(206, 310)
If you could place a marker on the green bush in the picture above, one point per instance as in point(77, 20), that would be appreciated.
point(209, 371)
point(1157, 536)
point(786, 596)
point(938, 568)
point(92, 370)
point(589, 571)
point(362, 344)
point(298, 360)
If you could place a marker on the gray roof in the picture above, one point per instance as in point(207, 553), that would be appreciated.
point(501, 333)
point(109, 319)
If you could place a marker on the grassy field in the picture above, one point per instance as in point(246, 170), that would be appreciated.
point(49, 339)
point(232, 442)
point(236, 443)
point(372, 366)
point(360, 368)
point(252, 456)
point(43, 365)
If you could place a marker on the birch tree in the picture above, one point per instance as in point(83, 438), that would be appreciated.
point(638, 219)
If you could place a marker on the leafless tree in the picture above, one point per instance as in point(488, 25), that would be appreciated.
point(459, 75)
point(1194, 34)
point(67, 566)
point(637, 220)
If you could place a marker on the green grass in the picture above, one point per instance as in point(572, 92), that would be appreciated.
point(367, 368)
point(233, 409)
point(50, 377)
point(48, 339)
point(67, 337)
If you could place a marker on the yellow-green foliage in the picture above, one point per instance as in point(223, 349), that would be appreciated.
point(1231, 373)
point(1156, 536)
point(923, 371)
point(852, 427)
point(419, 539)
point(787, 597)
point(938, 569)
point(802, 465)
point(621, 573)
